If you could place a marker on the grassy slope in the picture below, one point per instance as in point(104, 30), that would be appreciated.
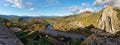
point(86, 18)
point(92, 19)
point(118, 14)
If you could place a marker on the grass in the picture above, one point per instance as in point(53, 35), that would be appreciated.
point(21, 34)
point(77, 41)
point(118, 13)
point(92, 19)
point(62, 24)
point(26, 38)
point(47, 21)
point(32, 43)
point(44, 41)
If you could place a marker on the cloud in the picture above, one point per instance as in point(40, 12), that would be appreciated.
point(87, 9)
point(28, 3)
point(115, 3)
point(79, 9)
point(72, 9)
point(50, 2)
point(17, 3)
point(32, 9)
point(13, 6)
point(6, 5)
point(85, 4)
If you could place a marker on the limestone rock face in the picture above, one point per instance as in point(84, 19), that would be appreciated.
point(108, 20)
point(7, 37)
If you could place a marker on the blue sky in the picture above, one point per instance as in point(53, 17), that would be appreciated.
point(46, 7)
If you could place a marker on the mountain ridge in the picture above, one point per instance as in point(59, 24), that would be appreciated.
point(15, 16)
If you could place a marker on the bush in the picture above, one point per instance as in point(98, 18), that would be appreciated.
point(32, 43)
point(76, 41)
point(117, 35)
point(45, 41)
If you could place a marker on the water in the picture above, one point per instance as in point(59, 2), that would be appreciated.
point(56, 33)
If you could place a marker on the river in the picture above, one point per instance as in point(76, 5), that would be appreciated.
point(56, 33)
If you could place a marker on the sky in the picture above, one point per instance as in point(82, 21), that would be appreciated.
point(52, 7)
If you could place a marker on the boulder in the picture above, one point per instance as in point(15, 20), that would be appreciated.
point(15, 29)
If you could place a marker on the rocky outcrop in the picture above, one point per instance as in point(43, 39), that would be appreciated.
point(109, 21)
point(101, 38)
point(15, 29)
point(7, 37)
point(78, 24)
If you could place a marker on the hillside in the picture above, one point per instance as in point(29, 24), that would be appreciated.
point(76, 21)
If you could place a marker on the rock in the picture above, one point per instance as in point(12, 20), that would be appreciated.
point(101, 40)
point(109, 21)
point(15, 29)
point(100, 32)
point(7, 37)
point(78, 24)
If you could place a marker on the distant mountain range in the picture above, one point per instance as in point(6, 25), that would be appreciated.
point(14, 16)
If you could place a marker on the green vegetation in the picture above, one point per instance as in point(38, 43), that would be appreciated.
point(28, 24)
point(27, 38)
point(76, 41)
point(117, 35)
point(22, 33)
point(43, 41)
point(118, 13)
point(4, 21)
point(88, 20)
point(32, 43)
point(47, 21)
point(23, 36)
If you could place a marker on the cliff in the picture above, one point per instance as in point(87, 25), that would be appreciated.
point(108, 21)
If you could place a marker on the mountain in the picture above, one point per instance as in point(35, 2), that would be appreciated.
point(24, 17)
point(8, 16)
